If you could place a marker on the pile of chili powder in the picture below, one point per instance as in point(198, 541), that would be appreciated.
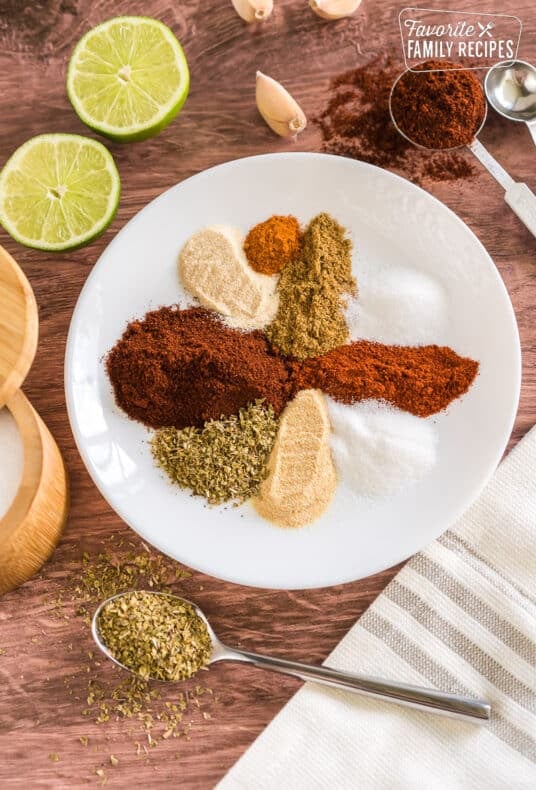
point(356, 122)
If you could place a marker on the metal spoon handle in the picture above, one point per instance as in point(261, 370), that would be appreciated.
point(519, 197)
point(522, 201)
point(531, 125)
point(413, 696)
point(490, 163)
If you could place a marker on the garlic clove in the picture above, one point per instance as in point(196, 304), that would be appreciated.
point(253, 10)
point(334, 9)
point(281, 112)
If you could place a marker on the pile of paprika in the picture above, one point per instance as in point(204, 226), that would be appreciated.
point(439, 104)
point(356, 122)
point(421, 380)
point(181, 368)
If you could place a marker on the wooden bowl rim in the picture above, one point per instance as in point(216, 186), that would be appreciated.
point(29, 346)
point(28, 424)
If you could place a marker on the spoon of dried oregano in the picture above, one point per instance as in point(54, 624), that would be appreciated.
point(159, 636)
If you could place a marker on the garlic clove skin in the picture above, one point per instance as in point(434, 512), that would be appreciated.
point(334, 9)
point(253, 10)
point(281, 112)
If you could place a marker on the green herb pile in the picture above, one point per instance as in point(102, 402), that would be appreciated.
point(156, 636)
point(223, 461)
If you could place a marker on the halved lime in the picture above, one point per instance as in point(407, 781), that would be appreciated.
point(128, 78)
point(58, 191)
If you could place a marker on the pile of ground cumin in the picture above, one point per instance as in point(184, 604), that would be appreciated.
point(312, 290)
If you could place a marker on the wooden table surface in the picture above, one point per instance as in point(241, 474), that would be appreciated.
point(38, 715)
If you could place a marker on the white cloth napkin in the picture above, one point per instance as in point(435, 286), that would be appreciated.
point(460, 616)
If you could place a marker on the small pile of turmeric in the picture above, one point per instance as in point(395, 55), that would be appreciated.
point(271, 244)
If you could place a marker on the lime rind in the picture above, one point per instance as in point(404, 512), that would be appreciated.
point(29, 181)
point(94, 70)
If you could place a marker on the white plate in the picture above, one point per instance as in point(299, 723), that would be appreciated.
point(392, 222)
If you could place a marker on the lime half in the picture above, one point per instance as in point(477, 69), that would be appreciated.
point(58, 191)
point(128, 78)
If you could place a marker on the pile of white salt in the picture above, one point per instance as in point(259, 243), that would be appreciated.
point(398, 306)
point(377, 449)
point(11, 460)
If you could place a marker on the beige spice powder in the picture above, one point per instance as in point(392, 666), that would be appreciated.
point(301, 475)
point(214, 268)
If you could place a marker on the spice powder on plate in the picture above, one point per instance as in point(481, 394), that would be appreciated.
point(312, 291)
point(301, 477)
point(272, 244)
point(181, 368)
point(422, 380)
point(155, 635)
point(214, 268)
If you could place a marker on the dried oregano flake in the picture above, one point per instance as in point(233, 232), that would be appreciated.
point(111, 572)
point(161, 712)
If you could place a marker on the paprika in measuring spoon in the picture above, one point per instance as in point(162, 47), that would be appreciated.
point(439, 105)
point(446, 109)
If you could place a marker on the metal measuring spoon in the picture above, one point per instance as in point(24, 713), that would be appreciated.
point(510, 88)
point(518, 196)
point(413, 696)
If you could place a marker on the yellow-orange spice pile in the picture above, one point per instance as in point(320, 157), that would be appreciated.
point(271, 244)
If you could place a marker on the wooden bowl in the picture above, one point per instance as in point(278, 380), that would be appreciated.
point(32, 526)
point(18, 326)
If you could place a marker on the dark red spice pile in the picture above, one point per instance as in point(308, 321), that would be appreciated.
point(439, 105)
point(356, 122)
point(184, 367)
